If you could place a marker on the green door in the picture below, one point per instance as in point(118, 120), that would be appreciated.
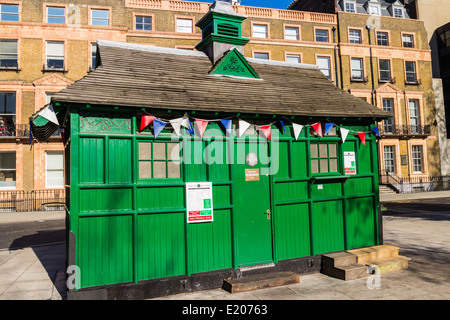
point(251, 221)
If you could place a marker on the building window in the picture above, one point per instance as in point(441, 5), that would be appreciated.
point(48, 97)
point(260, 31)
point(322, 35)
point(99, 17)
point(159, 160)
point(414, 117)
point(54, 58)
point(54, 169)
point(324, 65)
point(185, 25)
point(389, 159)
point(261, 55)
point(291, 33)
point(382, 38)
point(93, 56)
point(385, 70)
point(9, 12)
point(349, 6)
point(56, 15)
point(408, 40)
point(355, 36)
point(374, 9)
point(417, 159)
point(410, 69)
point(324, 158)
point(388, 105)
point(7, 113)
point(143, 23)
point(8, 54)
point(293, 58)
point(357, 69)
point(7, 170)
point(398, 13)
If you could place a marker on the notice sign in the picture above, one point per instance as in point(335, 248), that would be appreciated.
point(349, 163)
point(251, 174)
point(199, 202)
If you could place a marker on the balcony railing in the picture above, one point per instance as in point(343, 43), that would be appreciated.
point(396, 129)
point(19, 131)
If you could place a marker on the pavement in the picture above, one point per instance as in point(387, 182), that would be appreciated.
point(38, 273)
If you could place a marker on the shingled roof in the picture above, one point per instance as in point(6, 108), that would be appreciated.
point(146, 76)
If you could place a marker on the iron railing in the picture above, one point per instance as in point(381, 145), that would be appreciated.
point(19, 131)
point(36, 200)
point(412, 184)
point(397, 129)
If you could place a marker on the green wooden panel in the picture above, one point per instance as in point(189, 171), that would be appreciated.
point(292, 231)
point(325, 188)
point(103, 122)
point(360, 222)
point(327, 226)
point(105, 200)
point(92, 168)
point(119, 160)
point(209, 244)
point(160, 245)
point(160, 197)
point(222, 195)
point(290, 191)
point(364, 159)
point(299, 159)
point(358, 185)
point(284, 165)
point(105, 250)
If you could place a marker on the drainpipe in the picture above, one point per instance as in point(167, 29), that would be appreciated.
point(371, 64)
point(335, 57)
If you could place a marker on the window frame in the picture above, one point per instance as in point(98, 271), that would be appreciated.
point(16, 67)
point(328, 57)
point(292, 54)
point(380, 71)
point(413, 159)
point(46, 56)
point(394, 13)
point(12, 187)
point(186, 18)
point(143, 15)
point(91, 9)
point(416, 78)
point(153, 160)
point(370, 6)
point(391, 122)
point(328, 31)
point(48, 6)
point(262, 24)
point(353, 3)
point(47, 152)
point(362, 70)
point(328, 158)
point(290, 26)
point(393, 159)
point(19, 11)
point(413, 42)
point(387, 38)
point(350, 36)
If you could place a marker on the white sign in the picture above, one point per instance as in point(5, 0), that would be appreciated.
point(199, 202)
point(349, 163)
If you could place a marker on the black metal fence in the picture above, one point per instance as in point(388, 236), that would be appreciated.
point(410, 184)
point(36, 200)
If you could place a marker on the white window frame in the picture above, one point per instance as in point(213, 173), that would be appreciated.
point(293, 58)
point(10, 13)
point(58, 16)
point(260, 30)
point(59, 170)
point(416, 159)
point(100, 19)
point(389, 150)
point(55, 56)
point(260, 54)
point(321, 37)
point(187, 28)
point(355, 39)
point(291, 33)
point(10, 55)
point(414, 63)
point(408, 36)
point(371, 11)
point(321, 67)
point(359, 70)
point(13, 185)
point(385, 70)
point(395, 11)
point(347, 9)
point(143, 22)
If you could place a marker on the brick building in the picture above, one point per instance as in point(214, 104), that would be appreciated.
point(46, 46)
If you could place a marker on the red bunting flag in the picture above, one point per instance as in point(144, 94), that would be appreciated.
point(318, 127)
point(146, 119)
point(266, 131)
point(201, 125)
point(362, 137)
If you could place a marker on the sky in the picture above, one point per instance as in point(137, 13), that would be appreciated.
point(278, 4)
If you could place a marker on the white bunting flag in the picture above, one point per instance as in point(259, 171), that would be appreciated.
point(297, 129)
point(49, 114)
point(243, 126)
point(185, 121)
point(344, 133)
point(176, 125)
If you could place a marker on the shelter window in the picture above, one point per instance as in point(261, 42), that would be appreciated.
point(159, 160)
point(9, 12)
point(324, 158)
point(7, 170)
point(8, 54)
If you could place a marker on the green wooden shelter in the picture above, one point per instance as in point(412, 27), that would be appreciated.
point(184, 167)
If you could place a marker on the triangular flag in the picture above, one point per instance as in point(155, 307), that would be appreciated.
point(201, 125)
point(146, 119)
point(243, 126)
point(282, 126)
point(190, 129)
point(49, 114)
point(158, 125)
point(362, 136)
point(187, 124)
point(227, 125)
point(375, 130)
point(318, 128)
point(328, 127)
point(176, 125)
point(266, 131)
point(297, 129)
point(344, 133)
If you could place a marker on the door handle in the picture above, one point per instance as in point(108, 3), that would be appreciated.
point(268, 213)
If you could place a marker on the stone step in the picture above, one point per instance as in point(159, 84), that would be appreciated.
point(337, 259)
point(390, 265)
point(347, 272)
point(261, 281)
point(375, 253)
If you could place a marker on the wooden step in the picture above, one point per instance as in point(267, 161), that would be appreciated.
point(374, 253)
point(348, 272)
point(391, 265)
point(337, 259)
point(261, 281)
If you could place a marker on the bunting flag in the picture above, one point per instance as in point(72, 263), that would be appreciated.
point(201, 126)
point(176, 125)
point(344, 133)
point(158, 126)
point(266, 131)
point(243, 126)
point(49, 114)
point(187, 124)
point(362, 137)
point(318, 128)
point(227, 125)
point(146, 119)
point(375, 130)
point(328, 127)
point(282, 126)
point(297, 129)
